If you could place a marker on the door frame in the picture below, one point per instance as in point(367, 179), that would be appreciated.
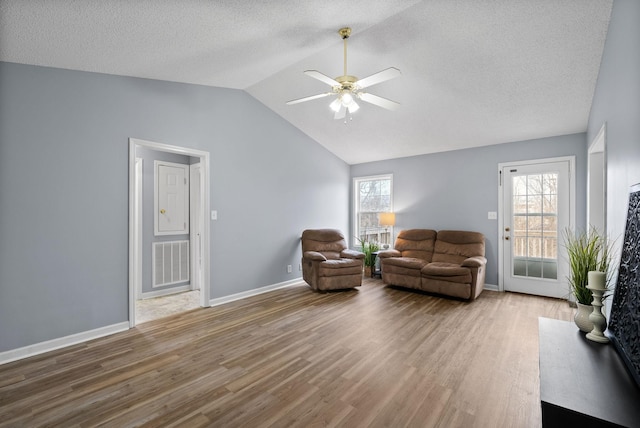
point(195, 225)
point(137, 228)
point(597, 178)
point(572, 202)
point(134, 223)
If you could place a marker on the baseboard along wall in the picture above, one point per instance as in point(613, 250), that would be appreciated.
point(61, 342)
point(85, 336)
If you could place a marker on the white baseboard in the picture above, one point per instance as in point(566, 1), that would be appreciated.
point(491, 287)
point(61, 342)
point(165, 292)
point(52, 345)
point(254, 292)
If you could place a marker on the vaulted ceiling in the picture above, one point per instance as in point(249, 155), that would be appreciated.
point(474, 72)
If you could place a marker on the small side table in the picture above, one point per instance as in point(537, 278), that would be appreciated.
point(375, 271)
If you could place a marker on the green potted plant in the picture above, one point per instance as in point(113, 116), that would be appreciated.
point(587, 251)
point(368, 248)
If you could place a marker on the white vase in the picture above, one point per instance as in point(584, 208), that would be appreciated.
point(582, 317)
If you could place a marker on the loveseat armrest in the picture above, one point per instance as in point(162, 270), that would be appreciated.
point(314, 255)
point(389, 253)
point(351, 254)
point(476, 261)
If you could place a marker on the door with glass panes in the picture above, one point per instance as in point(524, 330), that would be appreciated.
point(536, 213)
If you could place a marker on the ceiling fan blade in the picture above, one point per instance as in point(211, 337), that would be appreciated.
point(340, 113)
point(312, 97)
point(322, 77)
point(378, 77)
point(379, 101)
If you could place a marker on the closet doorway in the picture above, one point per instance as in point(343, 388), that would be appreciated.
point(197, 261)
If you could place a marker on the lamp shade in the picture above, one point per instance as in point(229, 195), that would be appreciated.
point(387, 219)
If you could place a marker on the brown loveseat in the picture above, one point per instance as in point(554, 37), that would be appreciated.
point(448, 262)
point(327, 263)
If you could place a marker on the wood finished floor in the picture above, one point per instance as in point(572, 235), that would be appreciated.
point(375, 357)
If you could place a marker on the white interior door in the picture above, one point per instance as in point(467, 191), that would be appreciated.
point(171, 198)
point(537, 209)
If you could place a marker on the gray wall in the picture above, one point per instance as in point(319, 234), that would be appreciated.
point(617, 102)
point(148, 237)
point(456, 190)
point(64, 192)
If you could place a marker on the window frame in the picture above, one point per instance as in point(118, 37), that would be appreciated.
point(356, 204)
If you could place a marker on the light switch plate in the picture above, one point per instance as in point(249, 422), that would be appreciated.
point(492, 215)
point(214, 215)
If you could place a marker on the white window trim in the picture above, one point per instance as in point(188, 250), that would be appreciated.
point(356, 204)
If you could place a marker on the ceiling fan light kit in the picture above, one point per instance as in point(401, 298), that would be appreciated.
point(348, 89)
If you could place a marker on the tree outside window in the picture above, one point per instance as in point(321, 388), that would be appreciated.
point(373, 196)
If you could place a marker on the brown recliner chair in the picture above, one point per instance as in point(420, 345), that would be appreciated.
point(327, 263)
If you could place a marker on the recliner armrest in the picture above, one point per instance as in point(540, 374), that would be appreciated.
point(351, 254)
point(476, 261)
point(314, 255)
point(389, 253)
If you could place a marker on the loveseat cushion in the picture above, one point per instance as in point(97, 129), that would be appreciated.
point(416, 243)
point(454, 246)
point(407, 266)
point(405, 262)
point(447, 272)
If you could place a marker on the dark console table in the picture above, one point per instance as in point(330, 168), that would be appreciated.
point(582, 383)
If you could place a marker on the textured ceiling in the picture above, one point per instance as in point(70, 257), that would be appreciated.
point(473, 72)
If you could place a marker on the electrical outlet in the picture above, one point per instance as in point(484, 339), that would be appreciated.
point(289, 269)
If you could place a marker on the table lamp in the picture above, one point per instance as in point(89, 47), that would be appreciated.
point(386, 219)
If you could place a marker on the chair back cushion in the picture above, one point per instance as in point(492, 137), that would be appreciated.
point(454, 246)
point(329, 242)
point(416, 243)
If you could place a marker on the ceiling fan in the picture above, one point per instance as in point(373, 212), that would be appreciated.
point(349, 88)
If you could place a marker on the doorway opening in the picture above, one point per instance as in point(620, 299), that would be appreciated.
point(198, 260)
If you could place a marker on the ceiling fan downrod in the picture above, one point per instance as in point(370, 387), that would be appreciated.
point(345, 33)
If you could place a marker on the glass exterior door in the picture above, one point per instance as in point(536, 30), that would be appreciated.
point(536, 212)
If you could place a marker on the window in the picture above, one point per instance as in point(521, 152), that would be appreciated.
point(535, 225)
point(373, 195)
